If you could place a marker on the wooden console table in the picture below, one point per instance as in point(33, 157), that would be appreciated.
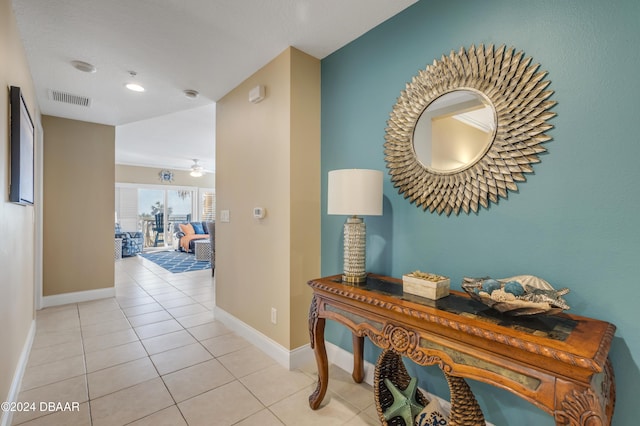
point(559, 363)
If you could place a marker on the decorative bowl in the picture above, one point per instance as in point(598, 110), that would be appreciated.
point(538, 297)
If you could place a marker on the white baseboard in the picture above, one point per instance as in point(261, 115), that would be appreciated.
point(344, 359)
point(14, 390)
point(77, 297)
point(289, 359)
point(301, 356)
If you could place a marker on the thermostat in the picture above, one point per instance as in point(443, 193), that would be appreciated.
point(258, 212)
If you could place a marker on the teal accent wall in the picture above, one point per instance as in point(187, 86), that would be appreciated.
point(574, 222)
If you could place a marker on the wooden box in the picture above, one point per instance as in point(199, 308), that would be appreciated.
point(433, 290)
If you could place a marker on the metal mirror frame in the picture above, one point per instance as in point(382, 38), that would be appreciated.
point(516, 92)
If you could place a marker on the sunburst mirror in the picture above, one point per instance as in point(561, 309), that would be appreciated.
point(467, 128)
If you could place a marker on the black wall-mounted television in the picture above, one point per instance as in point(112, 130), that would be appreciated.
point(21, 188)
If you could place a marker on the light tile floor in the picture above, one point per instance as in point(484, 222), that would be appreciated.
point(154, 355)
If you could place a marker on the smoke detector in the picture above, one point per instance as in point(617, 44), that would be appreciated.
point(84, 66)
point(191, 94)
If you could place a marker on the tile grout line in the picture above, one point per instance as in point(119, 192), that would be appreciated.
point(84, 360)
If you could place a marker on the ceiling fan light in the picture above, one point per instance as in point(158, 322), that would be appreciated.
point(196, 169)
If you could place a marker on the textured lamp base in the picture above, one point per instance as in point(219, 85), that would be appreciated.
point(355, 236)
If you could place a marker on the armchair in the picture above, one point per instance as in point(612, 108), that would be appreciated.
point(132, 242)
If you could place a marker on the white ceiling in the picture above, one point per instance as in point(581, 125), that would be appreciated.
point(206, 45)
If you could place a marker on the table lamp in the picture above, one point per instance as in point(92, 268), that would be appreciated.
point(354, 192)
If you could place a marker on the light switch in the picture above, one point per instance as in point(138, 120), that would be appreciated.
point(224, 216)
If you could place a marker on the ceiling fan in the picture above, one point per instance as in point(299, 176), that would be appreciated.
point(196, 169)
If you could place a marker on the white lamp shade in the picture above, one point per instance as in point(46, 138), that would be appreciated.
point(355, 192)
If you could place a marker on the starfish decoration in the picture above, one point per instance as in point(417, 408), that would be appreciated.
point(405, 404)
point(551, 296)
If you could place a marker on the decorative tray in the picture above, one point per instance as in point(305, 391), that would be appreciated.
point(517, 296)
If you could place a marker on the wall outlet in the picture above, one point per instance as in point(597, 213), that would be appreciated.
point(274, 316)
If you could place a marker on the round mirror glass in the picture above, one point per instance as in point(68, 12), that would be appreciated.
point(454, 131)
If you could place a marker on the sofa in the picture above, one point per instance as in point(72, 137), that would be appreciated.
point(179, 235)
point(186, 233)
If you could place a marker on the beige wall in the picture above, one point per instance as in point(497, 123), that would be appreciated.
point(17, 223)
point(305, 189)
point(268, 155)
point(79, 176)
point(151, 176)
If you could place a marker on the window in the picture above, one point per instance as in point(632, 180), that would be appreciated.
point(207, 205)
point(137, 205)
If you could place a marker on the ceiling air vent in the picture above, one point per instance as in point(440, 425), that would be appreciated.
point(69, 98)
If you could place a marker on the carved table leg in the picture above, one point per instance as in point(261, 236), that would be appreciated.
point(609, 391)
point(316, 332)
point(581, 409)
point(593, 406)
point(464, 407)
point(358, 354)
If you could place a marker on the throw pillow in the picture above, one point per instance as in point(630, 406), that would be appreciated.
point(187, 228)
point(197, 227)
point(432, 415)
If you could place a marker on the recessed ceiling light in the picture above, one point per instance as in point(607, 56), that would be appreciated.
point(84, 66)
point(134, 87)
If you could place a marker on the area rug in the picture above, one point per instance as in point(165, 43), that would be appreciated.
point(176, 261)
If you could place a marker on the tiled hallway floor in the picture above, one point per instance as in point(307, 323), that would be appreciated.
point(154, 355)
